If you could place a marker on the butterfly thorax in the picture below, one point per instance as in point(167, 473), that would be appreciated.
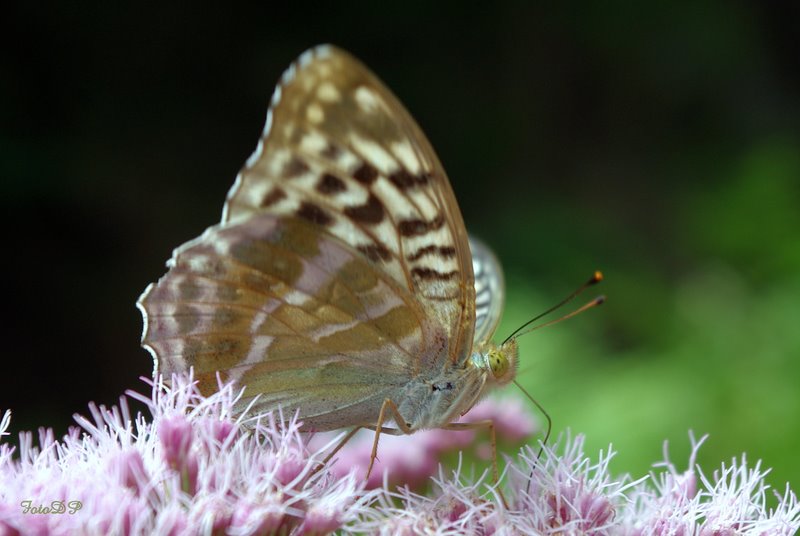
point(435, 401)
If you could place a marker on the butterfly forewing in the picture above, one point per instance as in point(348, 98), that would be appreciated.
point(341, 270)
point(341, 151)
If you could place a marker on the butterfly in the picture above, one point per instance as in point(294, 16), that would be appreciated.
point(341, 282)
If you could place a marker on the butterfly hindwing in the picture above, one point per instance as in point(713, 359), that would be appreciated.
point(290, 323)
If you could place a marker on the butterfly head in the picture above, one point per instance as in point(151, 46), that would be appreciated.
point(499, 361)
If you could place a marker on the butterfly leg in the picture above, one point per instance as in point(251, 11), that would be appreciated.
point(378, 428)
point(404, 428)
point(488, 424)
point(336, 449)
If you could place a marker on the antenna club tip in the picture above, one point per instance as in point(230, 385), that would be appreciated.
point(600, 300)
point(596, 277)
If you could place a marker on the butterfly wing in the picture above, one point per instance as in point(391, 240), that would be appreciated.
point(296, 316)
point(489, 290)
point(341, 151)
point(343, 190)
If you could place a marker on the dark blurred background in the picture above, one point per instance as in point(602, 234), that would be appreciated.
point(659, 143)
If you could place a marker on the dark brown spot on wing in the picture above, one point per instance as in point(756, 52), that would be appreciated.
point(442, 251)
point(405, 180)
point(187, 318)
point(417, 227)
point(314, 214)
point(429, 273)
point(274, 195)
point(331, 184)
point(294, 168)
point(370, 212)
point(366, 174)
point(375, 252)
point(444, 297)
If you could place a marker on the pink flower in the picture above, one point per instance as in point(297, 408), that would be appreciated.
point(413, 459)
point(192, 468)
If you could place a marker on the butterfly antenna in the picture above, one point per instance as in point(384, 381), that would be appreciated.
point(600, 300)
point(596, 278)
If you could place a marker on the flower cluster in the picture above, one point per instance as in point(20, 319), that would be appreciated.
point(412, 460)
point(194, 468)
point(563, 492)
point(191, 469)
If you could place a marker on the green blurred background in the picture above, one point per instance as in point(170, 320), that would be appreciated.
point(658, 143)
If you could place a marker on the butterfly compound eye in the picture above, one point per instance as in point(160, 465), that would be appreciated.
point(498, 363)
